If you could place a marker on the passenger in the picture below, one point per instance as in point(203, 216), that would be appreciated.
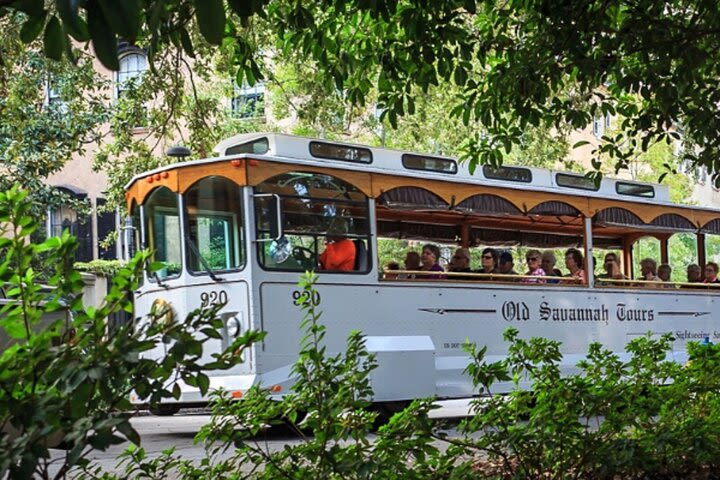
point(648, 270)
point(339, 254)
point(547, 263)
point(489, 261)
point(506, 265)
point(534, 268)
point(664, 274)
point(711, 272)
point(612, 271)
point(574, 263)
point(694, 273)
point(389, 268)
point(429, 261)
point(411, 263)
point(460, 262)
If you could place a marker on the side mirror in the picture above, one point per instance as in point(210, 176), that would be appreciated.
point(274, 217)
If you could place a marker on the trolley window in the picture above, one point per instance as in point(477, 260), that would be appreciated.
point(214, 226)
point(317, 210)
point(580, 182)
point(345, 153)
point(259, 147)
point(430, 164)
point(162, 231)
point(510, 174)
point(635, 189)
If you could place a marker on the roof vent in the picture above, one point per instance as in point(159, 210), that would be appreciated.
point(178, 151)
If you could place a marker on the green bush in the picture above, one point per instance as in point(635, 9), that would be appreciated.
point(646, 417)
point(64, 378)
point(106, 268)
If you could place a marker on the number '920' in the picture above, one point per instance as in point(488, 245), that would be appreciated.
point(212, 297)
point(301, 298)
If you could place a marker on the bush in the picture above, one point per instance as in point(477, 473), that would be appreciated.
point(647, 417)
point(64, 378)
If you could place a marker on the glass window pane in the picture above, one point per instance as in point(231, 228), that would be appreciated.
point(512, 174)
point(576, 181)
point(316, 209)
point(432, 164)
point(214, 218)
point(635, 189)
point(162, 227)
point(340, 152)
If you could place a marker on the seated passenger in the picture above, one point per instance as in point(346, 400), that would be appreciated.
point(339, 254)
point(429, 261)
point(664, 272)
point(489, 261)
point(574, 263)
point(711, 272)
point(506, 265)
point(612, 271)
point(460, 263)
point(534, 268)
point(411, 263)
point(390, 267)
point(648, 270)
point(694, 274)
point(547, 262)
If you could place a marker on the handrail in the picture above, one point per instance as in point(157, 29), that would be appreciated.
point(510, 278)
point(422, 274)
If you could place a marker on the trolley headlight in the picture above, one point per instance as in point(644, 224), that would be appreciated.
point(233, 327)
point(162, 312)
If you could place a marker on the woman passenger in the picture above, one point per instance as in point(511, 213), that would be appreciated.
point(648, 270)
point(489, 261)
point(429, 260)
point(533, 260)
point(574, 263)
point(547, 262)
point(711, 272)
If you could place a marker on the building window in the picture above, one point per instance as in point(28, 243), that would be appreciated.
point(248, 102)
point(598, 126)
point(132, 65)
point(65, 218)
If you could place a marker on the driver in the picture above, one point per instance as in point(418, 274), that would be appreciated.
point(339, 254)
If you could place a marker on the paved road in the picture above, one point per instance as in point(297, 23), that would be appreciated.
point(160, 433)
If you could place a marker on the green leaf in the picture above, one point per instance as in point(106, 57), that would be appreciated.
point(103, 38)
point(186, 43)
point(74, 24)
point(581, 143)
point(210, 16)
point(34, 8)
point(53, 39)
point(123, 16)
point(243, 8)
point(32, 27)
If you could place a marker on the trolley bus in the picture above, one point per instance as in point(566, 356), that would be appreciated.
point(240, 228)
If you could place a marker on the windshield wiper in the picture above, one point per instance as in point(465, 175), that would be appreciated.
point(203, 262)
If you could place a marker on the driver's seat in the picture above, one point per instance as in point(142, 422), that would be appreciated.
point(361, 255)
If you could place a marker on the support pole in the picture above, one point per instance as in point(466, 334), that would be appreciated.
point(465, 235)
point(589, 260)
point(664, 258)
point(702, 254)
point(627, 257)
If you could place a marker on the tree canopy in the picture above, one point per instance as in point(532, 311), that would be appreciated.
point(517, 64)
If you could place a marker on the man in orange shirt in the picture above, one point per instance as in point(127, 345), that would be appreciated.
point(339, 255)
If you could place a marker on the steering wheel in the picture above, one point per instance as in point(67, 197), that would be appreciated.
point(305, 257)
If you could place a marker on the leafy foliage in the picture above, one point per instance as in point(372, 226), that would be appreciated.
point(517, 65)
point(65, 378)
point(39, 133)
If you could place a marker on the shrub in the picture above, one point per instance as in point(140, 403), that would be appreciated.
point(64, 378)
